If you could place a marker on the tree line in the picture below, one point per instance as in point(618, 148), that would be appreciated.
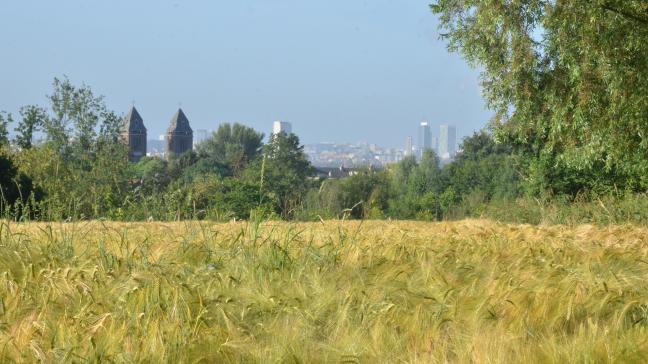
point(80, 170)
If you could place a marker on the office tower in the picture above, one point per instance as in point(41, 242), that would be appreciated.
point(435, 145)
point(281, 127)
point(447, 142)
point(408, 146)
point(133, 134)
point(179, 135)
point(424, 138)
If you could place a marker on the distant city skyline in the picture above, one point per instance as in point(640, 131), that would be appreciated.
point(321, 154)
point(339, 71)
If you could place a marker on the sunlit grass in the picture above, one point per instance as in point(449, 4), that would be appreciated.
point(469, 291)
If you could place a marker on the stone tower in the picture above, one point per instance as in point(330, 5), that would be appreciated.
point(134, 135)
point(179, 135)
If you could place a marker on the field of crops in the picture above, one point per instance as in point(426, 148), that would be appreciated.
point(373, 291)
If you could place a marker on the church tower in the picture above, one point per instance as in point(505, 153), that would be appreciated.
point(133, 134)
point(179, 135)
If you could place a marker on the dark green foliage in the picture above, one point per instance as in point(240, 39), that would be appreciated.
point(283, 173)
point(231, 148)
point(33, 118)
point(5, 120)
point(567, 82)
point(153, 174)
point(16, 188)
point(229, 198)
point(362, 195)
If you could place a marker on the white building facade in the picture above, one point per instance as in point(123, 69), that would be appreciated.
point(447, 142)
point(281, 127)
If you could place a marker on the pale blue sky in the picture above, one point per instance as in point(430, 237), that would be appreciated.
point(339, 70)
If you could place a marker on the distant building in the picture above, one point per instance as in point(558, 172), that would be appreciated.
point(155, 147)
point(424, 138)
point(133, 134)
point(179, 135)
point(447, 141)
point(281, 127)
point(408, 146)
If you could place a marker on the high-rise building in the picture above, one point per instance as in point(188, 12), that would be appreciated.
point(281, 127)
point(408, 146)
point(424, 138)
point(133, 133)
point(179, 135)
point(447, 141)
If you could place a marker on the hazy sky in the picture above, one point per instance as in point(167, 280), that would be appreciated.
point(339, 70)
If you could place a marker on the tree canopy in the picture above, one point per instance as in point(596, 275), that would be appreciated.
point(566, 80)
point(232, 145)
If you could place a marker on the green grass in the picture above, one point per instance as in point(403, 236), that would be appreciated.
point(378, 291)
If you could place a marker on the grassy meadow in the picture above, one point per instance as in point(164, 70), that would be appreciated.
point(367, 292)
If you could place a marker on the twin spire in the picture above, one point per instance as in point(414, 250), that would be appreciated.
point(179, 135)
point(133, 122)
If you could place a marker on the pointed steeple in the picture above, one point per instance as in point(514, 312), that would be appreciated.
point(179, 134)
point(133, 122)
point(133, 133)
point(179, 124)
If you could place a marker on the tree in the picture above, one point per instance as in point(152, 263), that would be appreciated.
point(228, 197)
point(5, 120)
point(566, 80)
point(232, 145)
point(424, 177)
point(402, 173)
point(283, 172)
point(14, 185)
point(364, 194)
point(153, 172)
point(77, 112)
point(180, 164)
point(110, 127)
point(33, 117)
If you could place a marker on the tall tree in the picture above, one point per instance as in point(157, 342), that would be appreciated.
point(5, 120)
point(283, 172)
point(33, 117)
point(77, 112)
point(566, 79)
point(424, 177)
point(233, 145)
point(110, 127)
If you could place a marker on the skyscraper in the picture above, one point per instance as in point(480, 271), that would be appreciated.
point(447, 141)
point(179, 135)
point(424, 138)
point(281, 127)
point(133, 133)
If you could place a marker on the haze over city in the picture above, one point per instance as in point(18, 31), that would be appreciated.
point(338, 71)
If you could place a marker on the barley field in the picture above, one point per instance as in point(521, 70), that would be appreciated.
point(365, 292)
